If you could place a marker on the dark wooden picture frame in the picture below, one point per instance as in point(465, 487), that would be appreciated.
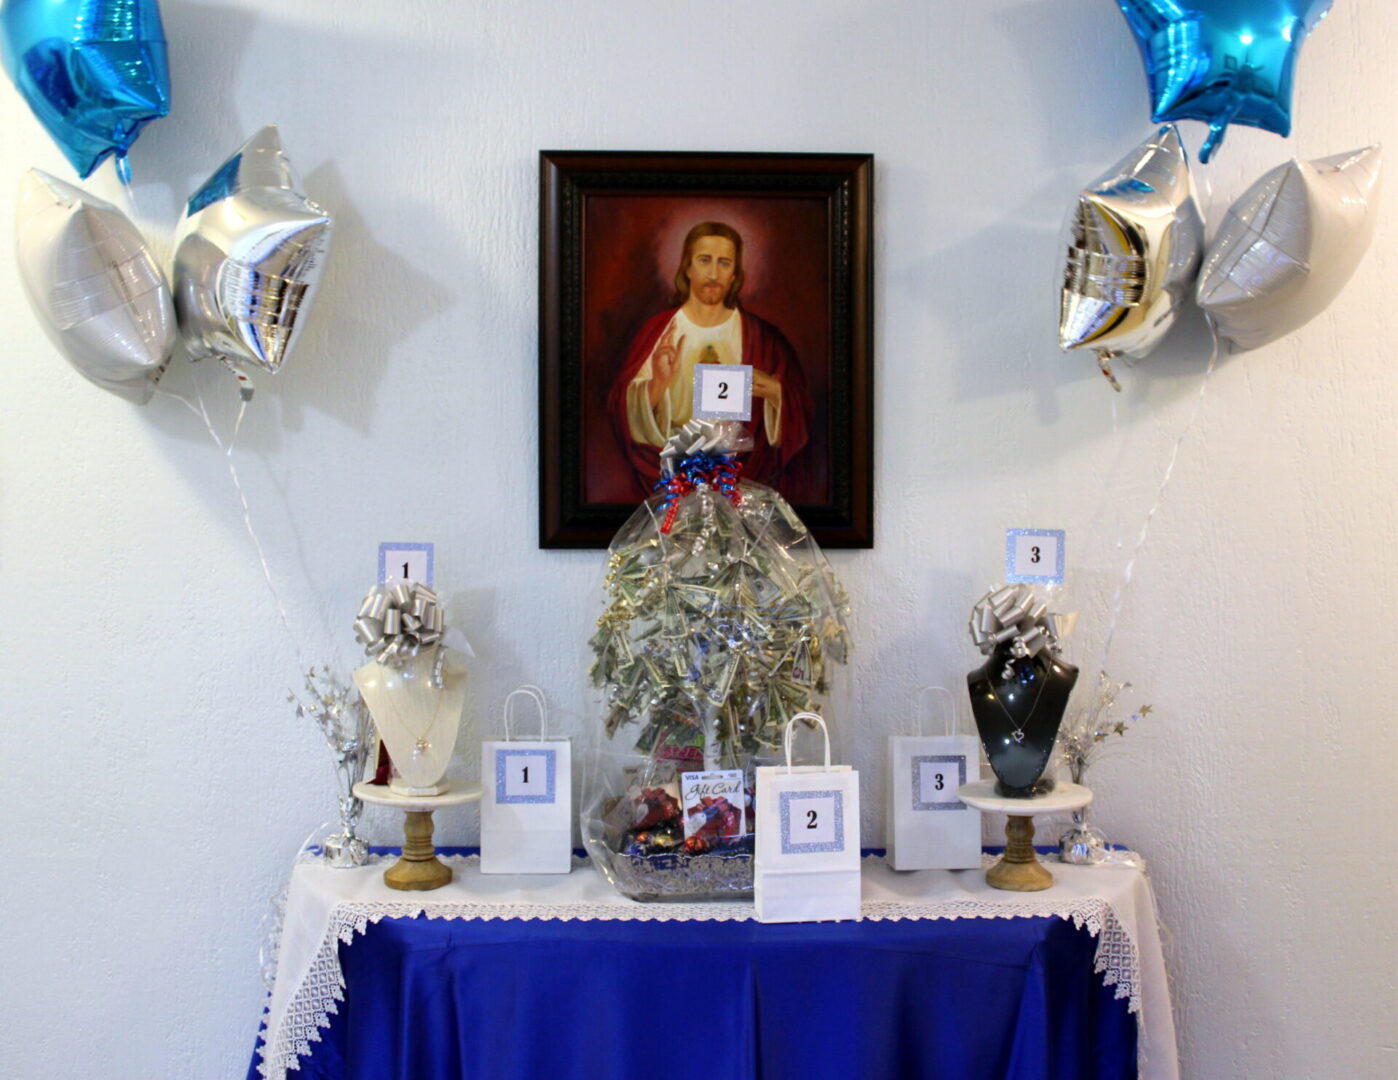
point(613, 226)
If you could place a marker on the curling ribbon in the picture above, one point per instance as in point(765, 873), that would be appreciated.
point(397, 622)
point(1015, 615)
point(718, 471)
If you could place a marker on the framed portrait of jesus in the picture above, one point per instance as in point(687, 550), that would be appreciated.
point(653, 263)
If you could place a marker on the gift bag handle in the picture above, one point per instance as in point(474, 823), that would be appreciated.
point(787, 733)
point(952, 718)
point(537, 696)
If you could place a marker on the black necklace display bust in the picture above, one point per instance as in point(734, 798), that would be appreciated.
point(1018, 717)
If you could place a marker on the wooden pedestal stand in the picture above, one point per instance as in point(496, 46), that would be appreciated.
point(1019, 869)
point(418, 868)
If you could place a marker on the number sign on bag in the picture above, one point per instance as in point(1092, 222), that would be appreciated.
point(927, 827)
point(807, 861)
point(526, 813)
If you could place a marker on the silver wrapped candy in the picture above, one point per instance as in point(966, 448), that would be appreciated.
point(1288, 246)
point(96, 289)
point(1133, 241)
point(249, 256)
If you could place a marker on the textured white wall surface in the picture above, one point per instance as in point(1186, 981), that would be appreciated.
point(157, 780)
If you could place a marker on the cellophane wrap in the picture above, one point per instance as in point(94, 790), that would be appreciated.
point(717, 630)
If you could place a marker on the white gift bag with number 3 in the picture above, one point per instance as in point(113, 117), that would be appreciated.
point(527, 810)
point(928, 827)
point(807, 864)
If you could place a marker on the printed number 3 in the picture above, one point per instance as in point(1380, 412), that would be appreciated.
point(810, 819)
point(939, 785)
point(1034, 554)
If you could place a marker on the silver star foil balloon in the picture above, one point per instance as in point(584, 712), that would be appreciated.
point(249, 255)
point(1288, 246)
point(1133, 242)
point(97, 290)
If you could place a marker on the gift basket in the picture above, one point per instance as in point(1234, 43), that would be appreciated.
point(722, 621)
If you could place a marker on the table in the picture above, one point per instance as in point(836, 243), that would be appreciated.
point(560, 976)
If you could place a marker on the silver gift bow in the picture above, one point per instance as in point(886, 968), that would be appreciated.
point(696, 437)
point(398, 622)
point(1013, 614)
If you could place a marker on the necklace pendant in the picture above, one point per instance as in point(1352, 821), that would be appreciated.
point(1019, 736)
point(421, 747)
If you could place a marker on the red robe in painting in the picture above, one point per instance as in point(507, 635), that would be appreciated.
point(766, 349)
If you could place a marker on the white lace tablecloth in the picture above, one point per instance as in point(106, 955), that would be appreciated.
point(325, 907)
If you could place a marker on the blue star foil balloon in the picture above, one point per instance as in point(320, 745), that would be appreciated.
point(93, 71)
point(1222, 61)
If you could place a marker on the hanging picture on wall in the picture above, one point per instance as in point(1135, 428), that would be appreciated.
point(653, 263)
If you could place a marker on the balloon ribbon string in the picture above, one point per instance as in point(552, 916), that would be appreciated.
point(123, 174)
point(1165, 478)
point(202, 412)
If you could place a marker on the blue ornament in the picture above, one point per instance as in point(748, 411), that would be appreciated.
point(1222, 61)
point(93, 71)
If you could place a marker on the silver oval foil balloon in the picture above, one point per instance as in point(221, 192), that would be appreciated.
point(1133, 242)
point(97, 290)
point(249, 254)
point(1288, 246)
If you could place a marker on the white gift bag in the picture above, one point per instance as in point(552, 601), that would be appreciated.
point(928, 827)
point(807, 861)
point(527, 809)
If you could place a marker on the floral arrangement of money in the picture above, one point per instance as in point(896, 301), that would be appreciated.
point(722, 621)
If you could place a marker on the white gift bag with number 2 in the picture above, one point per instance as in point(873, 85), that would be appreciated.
point(527, 810)
point(807, 863)
point(928, 827)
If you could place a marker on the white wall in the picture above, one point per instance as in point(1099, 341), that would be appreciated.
point(157, 780)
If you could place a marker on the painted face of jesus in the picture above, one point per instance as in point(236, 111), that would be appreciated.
point(710, 271)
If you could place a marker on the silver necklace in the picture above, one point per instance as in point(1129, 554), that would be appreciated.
point(421, 745)
point(1018, 733)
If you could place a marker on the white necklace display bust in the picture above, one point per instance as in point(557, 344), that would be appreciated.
point(416, 721)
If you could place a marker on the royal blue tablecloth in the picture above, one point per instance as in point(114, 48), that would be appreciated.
point(632, 1000)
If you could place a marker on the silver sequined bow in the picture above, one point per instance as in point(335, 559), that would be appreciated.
point(398, 622)
point(1015, 615)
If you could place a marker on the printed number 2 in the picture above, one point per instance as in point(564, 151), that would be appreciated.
point(810, 819)
point(1034, 554)
point(723, 391)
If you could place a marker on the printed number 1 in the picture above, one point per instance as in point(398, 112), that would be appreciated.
point(723, 391)
point(526, 774)
point(405, 571)
point(810, 819)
